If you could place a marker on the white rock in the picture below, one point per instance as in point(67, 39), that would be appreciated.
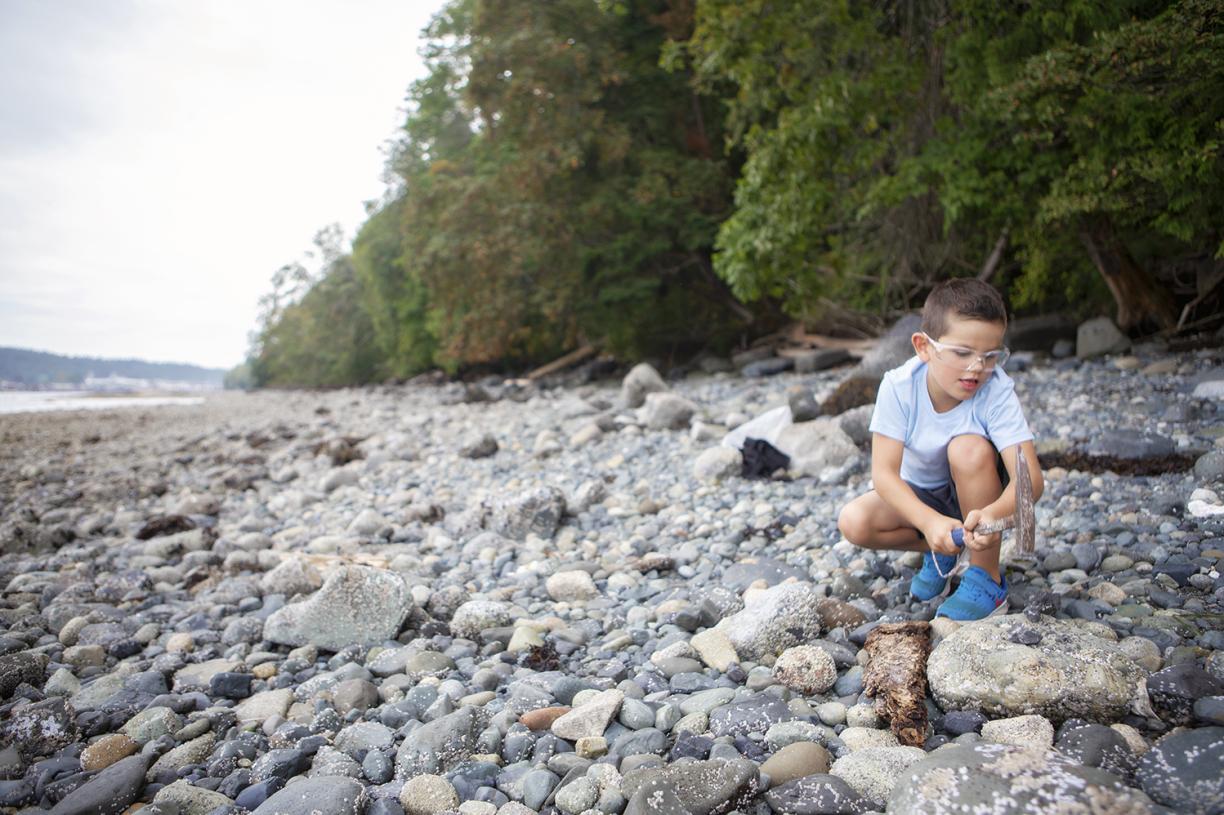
point(717, 463)
point(1021, 731)
point(571, 586)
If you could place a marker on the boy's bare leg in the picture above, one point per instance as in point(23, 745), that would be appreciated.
point(869, 521)
point(972, 460)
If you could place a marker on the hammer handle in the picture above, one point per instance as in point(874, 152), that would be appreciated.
point(985, 528)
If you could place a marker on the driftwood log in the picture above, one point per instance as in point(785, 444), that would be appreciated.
point(896, 676)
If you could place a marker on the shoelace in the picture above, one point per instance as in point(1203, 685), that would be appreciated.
point(935, 560)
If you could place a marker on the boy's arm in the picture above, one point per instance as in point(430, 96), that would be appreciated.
point(886, 455)
point(1006, 503)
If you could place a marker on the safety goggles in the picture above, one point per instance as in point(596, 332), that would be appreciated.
point(967, 358)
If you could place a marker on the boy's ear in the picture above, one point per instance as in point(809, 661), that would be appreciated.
point(921, 347)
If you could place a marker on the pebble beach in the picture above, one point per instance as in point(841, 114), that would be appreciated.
point(508, 598)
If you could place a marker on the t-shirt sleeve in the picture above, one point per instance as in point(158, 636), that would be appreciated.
point(890, 417)
point(1005, 422)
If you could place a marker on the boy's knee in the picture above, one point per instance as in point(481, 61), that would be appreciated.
point(971, 453)
point(852, 523)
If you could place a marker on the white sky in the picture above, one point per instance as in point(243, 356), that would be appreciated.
point(160, 159)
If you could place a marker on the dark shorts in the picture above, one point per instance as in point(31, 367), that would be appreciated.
point(943, 499)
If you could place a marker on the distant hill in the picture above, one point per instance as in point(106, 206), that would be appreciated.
point(38, 368)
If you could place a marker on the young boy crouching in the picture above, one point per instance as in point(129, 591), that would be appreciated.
point(942, 422)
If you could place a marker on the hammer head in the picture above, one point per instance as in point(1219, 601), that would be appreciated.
point(1026, 518)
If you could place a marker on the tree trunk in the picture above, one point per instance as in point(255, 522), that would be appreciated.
point(1139, 296)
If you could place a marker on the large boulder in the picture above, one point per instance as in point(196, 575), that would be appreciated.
point(1098, 337)
point(1003, 778)
point(815, 445)
point(1068, 673)
point(774, 619)
point(357, 604)
point(892, 350)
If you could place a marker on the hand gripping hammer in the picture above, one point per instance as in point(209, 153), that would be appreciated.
point(1024, 520)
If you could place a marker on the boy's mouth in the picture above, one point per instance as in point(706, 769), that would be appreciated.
point(968, 384)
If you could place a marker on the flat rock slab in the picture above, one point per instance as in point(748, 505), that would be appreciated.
point(357, 604)
point(1070, 672)
point(591, 718)
point(1002, 778)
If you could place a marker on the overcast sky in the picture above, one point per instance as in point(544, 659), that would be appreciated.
point(159, 160)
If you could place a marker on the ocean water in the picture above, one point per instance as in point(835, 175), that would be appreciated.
point(43, 401)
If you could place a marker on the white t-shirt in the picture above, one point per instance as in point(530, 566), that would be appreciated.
point(903, 411)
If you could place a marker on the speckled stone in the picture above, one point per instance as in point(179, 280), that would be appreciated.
point(1070, 673)
point(1002, 778)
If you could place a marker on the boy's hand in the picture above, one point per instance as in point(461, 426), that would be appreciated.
point(979, 542)
point(939, 536)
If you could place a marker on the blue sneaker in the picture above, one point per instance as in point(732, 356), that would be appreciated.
point(976, 597)
point(927, 584)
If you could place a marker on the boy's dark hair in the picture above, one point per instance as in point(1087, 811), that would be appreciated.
point(964, 297)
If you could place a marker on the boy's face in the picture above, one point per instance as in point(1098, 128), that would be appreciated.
point(948, 380)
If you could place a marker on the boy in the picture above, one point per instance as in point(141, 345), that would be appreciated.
point(941, 422)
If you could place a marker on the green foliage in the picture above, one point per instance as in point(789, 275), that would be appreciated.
point(620, 172)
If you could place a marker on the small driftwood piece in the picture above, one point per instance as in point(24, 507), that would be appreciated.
point(896, 676)
point(561, 363)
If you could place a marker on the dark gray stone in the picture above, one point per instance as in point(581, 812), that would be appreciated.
point(1095, 745)
point(754, 715)
point(22, 666)
point(1182, 771)
point(817, 795)
point(1129, 445)
point(1209, 468)
point(768, 367)
point(1174, 690)
point(702, 787)
point(820, 360)
point(1004, 778)
point(440, 744)
point(307, 796)
point(109, 792)
point(741, 575)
